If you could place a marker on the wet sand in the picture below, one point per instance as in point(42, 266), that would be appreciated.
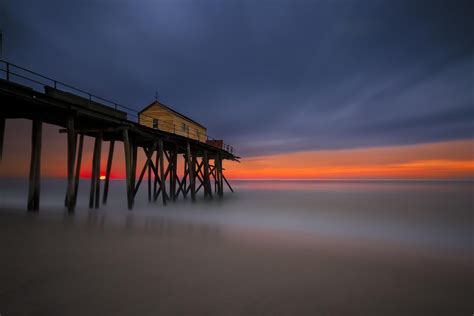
point(134, 264)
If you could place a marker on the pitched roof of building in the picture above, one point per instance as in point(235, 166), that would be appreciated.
point(156, 102)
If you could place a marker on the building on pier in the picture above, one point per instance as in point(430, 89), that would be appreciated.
point(162, 117)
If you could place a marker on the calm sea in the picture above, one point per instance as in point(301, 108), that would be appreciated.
point(270, 248)
point(437, 214)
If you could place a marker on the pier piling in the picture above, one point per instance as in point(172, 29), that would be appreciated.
point(94, 195)
point(2, 135)
point(78, 171)
point(35, 166)
point(108, 171)
point(71, 160)
point(191, 167)
point(128, 168)
point(162, 172)
point(207, 180)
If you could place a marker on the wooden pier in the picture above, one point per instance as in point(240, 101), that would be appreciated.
point(29, 95)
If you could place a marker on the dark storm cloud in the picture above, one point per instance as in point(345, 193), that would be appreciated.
point(267, 76)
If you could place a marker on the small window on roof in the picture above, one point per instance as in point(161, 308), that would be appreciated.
point(155, 123)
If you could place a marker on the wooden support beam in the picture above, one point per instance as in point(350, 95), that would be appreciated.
point(221, 177)
point(162, 174)
point(93, 177)
point(107, 171)
point(140, 178)
point(134, 163)
point(199, 187)
point(179, 187)
point(157, 190)
point(155, 194)
point(195, 167)
point(149, 183)
point(171, 169)
point(168, 157)
point(168, 171)
point(97, 183)
point(128, 168)
point(196, 172)
point(151, 168)
point(71, 161)
point(157, 179)
point(78, 169)
point(182, 184)
point(149, 155)
point(94, 130)
point(174, 173)
point(199, 166)
point(207, 180)
point(147, 166)
point(94, 193)
point(191, 166)
point(185, 176)
point(35, 166)
point(213, 174)
point(198, 175)
point(220, 188)
point(228, 184)
point(2, 135)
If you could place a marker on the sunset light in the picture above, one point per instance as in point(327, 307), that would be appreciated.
point(443, 160)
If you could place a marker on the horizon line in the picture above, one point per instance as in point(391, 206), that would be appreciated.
point(284, 179)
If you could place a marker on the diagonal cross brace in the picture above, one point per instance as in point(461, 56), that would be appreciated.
point(148, 162)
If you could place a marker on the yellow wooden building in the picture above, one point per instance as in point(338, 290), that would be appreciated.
point(162, 117)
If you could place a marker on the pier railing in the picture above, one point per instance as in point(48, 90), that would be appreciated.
point(36, 81)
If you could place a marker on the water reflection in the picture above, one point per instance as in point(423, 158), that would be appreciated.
point(132, 223)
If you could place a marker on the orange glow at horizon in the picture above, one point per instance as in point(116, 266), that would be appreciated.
point(440, 160)
point(453, 159)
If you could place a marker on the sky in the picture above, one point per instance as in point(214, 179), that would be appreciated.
point(318, 81)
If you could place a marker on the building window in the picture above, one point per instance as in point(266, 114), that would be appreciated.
point(197, 133)
point(155, 123)
point(183, 127)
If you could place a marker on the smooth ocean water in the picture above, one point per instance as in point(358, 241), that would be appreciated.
point(436, 214)
point(405, 242)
